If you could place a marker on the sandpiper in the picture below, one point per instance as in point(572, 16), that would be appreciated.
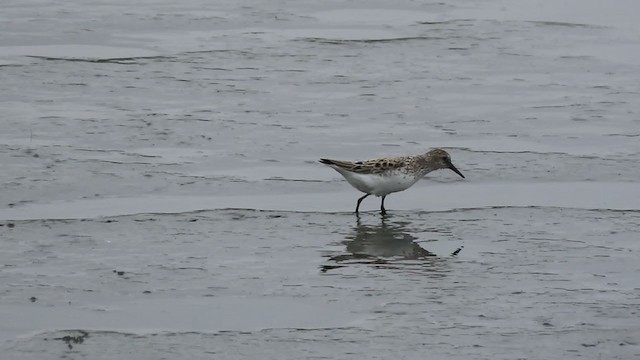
point(381, 177)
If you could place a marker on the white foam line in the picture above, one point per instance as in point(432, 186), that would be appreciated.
point(186, 314)
point(425, 196)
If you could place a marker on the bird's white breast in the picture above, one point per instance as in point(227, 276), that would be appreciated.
point(380, 185)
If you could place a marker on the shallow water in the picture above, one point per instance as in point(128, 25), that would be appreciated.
point(160, 194)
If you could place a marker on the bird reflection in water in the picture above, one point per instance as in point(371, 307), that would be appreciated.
point(387, 244)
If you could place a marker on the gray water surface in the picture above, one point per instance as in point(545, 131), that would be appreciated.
point(160, 195)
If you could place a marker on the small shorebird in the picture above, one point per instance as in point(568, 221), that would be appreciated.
point(381, 177)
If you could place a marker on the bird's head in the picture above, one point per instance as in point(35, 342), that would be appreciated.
point(441, 159)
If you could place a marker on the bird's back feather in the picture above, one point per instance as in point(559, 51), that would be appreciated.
point(376, 166)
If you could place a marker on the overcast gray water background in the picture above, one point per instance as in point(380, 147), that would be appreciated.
point(160, 196)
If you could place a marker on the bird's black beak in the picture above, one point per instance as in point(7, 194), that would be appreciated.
point(450, 165)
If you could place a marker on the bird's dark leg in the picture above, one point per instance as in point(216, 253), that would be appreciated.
point(382, 209)
point(359, 201)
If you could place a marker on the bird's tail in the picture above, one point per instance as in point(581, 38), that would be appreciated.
point(327, 162)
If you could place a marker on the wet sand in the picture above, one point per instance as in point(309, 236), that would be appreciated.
point(161, 196)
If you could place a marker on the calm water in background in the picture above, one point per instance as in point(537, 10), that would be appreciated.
point(160, 196)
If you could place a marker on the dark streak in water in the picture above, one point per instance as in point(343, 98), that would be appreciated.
point(294, 180)
point(120, 61)
point(369, 41)
point(625, 135)
point(563, 24)
point(446, 22)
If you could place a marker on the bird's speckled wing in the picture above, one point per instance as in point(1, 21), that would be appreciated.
point(375, 166)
